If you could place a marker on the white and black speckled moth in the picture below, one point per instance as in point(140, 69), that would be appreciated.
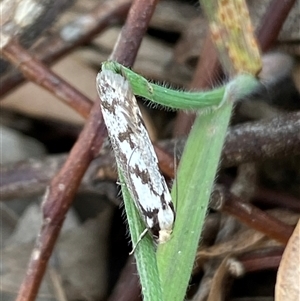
point(135, 154)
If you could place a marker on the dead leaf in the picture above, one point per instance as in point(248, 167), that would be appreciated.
point(288, 277)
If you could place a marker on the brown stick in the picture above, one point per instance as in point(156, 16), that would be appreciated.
point(272, 22)
point(224, 201)
point(38, 73)
point(133, 32)
point(262, 140)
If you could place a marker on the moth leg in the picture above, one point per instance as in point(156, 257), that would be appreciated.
point(139, 240)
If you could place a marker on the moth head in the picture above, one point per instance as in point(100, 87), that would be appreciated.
point(163, 236)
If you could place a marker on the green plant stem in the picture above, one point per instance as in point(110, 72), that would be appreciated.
point(164, 96)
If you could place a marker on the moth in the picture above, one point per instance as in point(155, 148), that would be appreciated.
point(135, 155)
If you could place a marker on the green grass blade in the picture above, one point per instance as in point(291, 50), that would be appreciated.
point(196, 174)
point(144, 252)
